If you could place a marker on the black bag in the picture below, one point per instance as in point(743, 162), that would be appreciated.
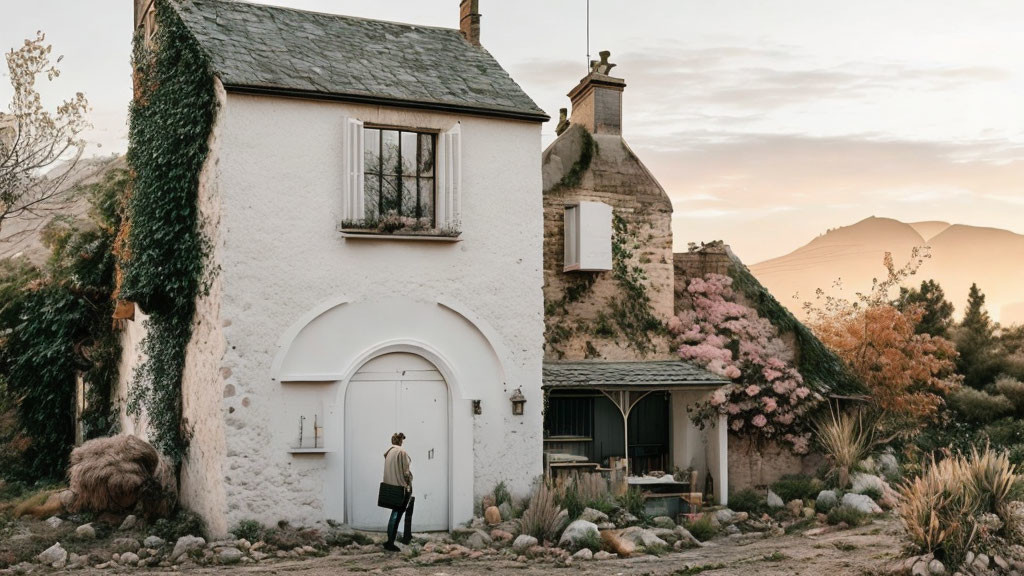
point(390, 496)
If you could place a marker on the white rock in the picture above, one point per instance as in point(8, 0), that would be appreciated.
point(862, 482)
point(184, 545)
point(595, 516)
point(664, 522)
point(153, 542)
point(604, 555)
point(129, 522)
point(55, 556)
point(725, 516)
point(827, 500)
point(774, 501)
point(129, 559)
point(86, 532)
point(54, 522)
point(935, 568)
point(478, 540)
point(888, 466)
point(523, 542)
point(583, 554)
point(861, 502)
point(642, 537)
point(685, 537)
point(230, 556)
point(576, 532)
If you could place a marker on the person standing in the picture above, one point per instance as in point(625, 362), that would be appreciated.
point(397, 473)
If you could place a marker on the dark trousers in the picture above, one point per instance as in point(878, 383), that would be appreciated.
point(396, 517)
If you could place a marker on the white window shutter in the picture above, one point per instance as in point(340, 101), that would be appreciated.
point(449, 181)
point(352, 200)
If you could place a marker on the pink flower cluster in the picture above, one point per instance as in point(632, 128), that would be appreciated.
point(768, 396)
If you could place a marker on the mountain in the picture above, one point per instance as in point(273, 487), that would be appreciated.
point(852, 256)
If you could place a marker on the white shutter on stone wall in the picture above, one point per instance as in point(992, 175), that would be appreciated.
point(449, 178)
point(352, 204)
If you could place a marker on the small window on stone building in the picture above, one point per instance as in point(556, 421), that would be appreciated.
point(398, 168)
point(588, 237)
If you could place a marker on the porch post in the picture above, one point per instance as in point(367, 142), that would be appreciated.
point(718, 442)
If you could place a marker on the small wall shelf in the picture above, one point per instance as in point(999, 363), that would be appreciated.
point(308, 451)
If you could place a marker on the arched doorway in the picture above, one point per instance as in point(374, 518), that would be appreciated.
point(398, 392)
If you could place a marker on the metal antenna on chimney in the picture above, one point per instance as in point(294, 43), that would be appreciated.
point(588, 36)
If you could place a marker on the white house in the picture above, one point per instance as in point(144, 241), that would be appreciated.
point(373, 195)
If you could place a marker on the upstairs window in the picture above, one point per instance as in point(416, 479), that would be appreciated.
point(398, 174)
point(401, 180)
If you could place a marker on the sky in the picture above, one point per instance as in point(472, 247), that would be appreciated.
point(766, 122)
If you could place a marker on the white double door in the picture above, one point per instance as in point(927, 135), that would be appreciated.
point(397, 393)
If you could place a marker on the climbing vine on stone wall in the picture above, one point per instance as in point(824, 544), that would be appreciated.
point(162, 251)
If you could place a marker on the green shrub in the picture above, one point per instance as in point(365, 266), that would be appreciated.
point(592, 542)
point(749, 501)
point(501, 494)
point(250, 530)
point(979, 406)
point(797, 487)
point(572, 501)
point(1013, 390)
point(183, 523)
point(633, 502)
point(872, 492)
point(701, 528)
point(846, 514)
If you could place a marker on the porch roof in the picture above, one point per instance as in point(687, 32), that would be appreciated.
point(653, 375)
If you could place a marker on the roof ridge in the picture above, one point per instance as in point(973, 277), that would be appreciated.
point(328, 14)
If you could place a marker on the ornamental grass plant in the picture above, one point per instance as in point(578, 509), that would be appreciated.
point(845, 440)
point(542, 518)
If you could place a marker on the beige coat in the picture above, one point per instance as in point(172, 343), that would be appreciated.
point(396, 467)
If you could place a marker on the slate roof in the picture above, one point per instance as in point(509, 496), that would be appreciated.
point(269, 49)
point(628, 375)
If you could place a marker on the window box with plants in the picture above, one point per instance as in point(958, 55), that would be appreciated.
point(394, 226)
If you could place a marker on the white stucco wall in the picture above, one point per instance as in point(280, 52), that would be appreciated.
point(278, 183)
point(132, 333)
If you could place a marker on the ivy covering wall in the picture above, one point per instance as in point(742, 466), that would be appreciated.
point(163, 252)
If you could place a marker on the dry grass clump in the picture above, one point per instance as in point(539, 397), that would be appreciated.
point(949, 506)
point(542, 518)
point(117, 474)
point(845, 440)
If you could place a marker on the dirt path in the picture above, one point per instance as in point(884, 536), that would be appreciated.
point(861, 551)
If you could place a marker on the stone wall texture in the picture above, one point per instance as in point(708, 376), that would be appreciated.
point(616, 177)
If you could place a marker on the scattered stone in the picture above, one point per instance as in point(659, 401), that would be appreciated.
point(862, 482)
point(595, 516)
point(795, 507)
point(725, 516)
point(664, 522)
point(827, 500)
point(732, 530)
point(642, 537)
point(808, 512)
point(583, 554)
point(505, 510)
point(625, 519)
point(861, 503)
point(602, 526)
point(129, 559)
point(523, 543)
point(86, 532)
point(121, 545)
point(576, 533)
point(54, 522)
point(686, 538)
point(75, 561)
point(740, 517)
point(774, 501)
point(478, 540)
point(492, 516)
point(153, 542)
point(614, 541)
point(920, 569)
point(129, 522)
point(980, 563)
point(501, 535)
point(604, 555)
point(55, 556)
point(186, 544)
point(816, 532)
point(230, 556)
point(935, 568)
point(1001, 563)
point(888, 466)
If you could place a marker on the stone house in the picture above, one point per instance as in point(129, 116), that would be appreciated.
point(611, 376)
point(373, 198)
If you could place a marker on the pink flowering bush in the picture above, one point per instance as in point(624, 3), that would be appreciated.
point(767, 397)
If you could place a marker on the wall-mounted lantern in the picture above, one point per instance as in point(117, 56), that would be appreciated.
point(518, 402)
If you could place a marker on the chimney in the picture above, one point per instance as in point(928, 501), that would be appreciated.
point(469, 21)
point(597, 99)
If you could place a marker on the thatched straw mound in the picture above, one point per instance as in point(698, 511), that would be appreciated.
point(120, 473)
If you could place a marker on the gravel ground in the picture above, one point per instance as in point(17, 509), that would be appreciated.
point(860, 551)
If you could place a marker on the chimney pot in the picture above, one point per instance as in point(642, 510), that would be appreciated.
point(597, 99)
point(469, 21)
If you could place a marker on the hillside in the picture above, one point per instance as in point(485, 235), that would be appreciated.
point(853, 256)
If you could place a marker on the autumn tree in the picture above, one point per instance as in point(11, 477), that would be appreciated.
point(38, 148)
point(907, 373)
point(936, 311)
